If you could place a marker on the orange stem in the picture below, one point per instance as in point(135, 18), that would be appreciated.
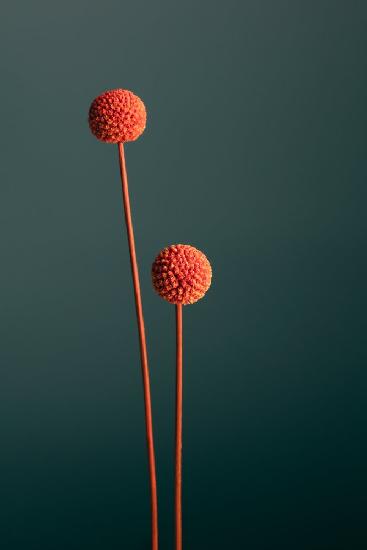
point(143, 348)
point(178, 450)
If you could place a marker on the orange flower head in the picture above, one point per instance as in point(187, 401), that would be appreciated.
point(117, 116)
point(181, 274)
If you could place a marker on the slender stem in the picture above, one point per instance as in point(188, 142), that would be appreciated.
point(143, 348)
point(178, 449)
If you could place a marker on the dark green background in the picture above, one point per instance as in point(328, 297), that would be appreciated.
point(255, 152)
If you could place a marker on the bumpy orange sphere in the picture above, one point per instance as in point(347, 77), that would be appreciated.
point(117, 116)
point(181, 274)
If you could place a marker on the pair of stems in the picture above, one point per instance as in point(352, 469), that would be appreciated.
point(146, 381)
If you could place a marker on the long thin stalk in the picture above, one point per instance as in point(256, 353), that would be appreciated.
point(178, 446)
point(143, 349)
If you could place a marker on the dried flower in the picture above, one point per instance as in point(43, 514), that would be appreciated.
point(181, 274)
point(117, 116)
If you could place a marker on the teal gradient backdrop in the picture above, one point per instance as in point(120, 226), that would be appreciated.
point(255, 152)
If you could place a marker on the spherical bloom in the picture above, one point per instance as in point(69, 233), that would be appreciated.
point(181, 274)
point(117, 116)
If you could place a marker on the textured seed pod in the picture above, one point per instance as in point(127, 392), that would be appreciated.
point(181, 274)
point(117, 116)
